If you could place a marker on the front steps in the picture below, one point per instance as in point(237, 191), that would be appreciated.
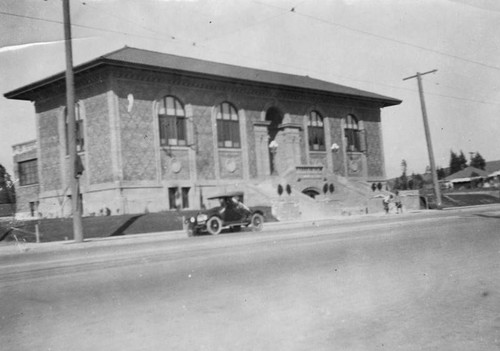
point(342, 197)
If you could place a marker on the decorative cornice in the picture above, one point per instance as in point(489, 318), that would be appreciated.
point(290, 126)
point(236, 87)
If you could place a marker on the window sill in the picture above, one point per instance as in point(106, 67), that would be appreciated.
point(79, 153)
point(174, 147)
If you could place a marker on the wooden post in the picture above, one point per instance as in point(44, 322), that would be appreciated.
point(70, 110)
point(437, 191)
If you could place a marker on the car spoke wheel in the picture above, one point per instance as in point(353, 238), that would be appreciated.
point(214, 225)
point(257, 222)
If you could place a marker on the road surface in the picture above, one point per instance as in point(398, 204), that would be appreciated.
point(424, 283)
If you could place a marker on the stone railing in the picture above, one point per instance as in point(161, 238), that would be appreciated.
point(309, 171)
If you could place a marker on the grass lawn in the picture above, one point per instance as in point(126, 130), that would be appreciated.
point(58, 229)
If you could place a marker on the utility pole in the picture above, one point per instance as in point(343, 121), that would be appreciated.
point(437, 191)
point(70, 110)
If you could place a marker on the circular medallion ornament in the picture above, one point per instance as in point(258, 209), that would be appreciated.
point(354, 166)
point(176, 166)
point(230, 166)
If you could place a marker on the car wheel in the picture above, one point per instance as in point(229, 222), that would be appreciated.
point(214, 225)
point(257, 222)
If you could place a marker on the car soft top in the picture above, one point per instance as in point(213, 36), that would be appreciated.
point(229, 194)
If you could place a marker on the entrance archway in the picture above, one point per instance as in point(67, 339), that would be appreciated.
point(311, 192)
point(275, 116)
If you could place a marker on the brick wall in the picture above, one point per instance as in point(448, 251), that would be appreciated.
point(50, 142)
point(123, 105)
point(375, 152)
point(204, 135)
point(98, 142)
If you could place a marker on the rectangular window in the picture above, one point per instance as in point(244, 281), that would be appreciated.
point(172, 197)
point(228, 127)
point(228, 133)
point(185, 197)
point(353, 139)
point(178, 198)
point(172, 122)
point(163, 121)
point(172, 130)
point(28, 172)
point(181, 131)
point(316, 138)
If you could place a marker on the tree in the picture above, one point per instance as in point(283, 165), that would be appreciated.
point(7, 189)
point(457, 162)
point(441, 173)
point(462, 160)
point(478, 161)
point(417, 181)
point(454, 166)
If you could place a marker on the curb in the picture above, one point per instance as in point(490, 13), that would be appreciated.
point(15, 249)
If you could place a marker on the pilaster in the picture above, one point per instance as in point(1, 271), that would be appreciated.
point(261, 136)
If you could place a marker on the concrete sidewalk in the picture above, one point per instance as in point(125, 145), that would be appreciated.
point(23, 248)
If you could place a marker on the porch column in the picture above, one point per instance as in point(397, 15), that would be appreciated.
point(291, 149)
point(261, 136)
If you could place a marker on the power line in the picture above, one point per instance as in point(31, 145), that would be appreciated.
point(100, 10)
point(465, 99)
point(231, 53)
point(252, 25)
point(81, 26)
point(379, 36)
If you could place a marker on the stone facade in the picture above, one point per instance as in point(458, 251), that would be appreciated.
point(126, 169)
point(27, 195)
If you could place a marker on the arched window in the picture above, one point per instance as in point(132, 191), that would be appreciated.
point(316, 132)
point(228, 126)
point(172, 122)
point(79, 125)
point(353, 134)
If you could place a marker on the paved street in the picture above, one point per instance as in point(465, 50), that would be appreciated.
point(424, 282)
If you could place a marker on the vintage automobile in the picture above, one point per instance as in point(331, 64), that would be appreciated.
point(231, 213)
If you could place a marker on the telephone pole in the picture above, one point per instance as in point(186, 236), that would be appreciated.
point(70, 110)
point(435, 182)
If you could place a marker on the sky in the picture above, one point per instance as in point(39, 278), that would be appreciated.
point(365, 44)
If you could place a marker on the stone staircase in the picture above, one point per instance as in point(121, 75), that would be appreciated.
point(334, 195)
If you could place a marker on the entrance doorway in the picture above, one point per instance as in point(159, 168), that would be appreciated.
point(310, 192)
point(275, 116)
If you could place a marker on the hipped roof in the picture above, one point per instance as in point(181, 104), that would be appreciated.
point(139, 58)
point(466, 174)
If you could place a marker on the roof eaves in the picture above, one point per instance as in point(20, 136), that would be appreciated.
point(23, 93)
point(18, 93)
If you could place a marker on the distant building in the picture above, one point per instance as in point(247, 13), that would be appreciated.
point(26, 173)
point(160, 132)
point(471, 177)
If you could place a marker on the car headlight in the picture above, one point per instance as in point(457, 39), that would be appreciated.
point(201, 217)
point(192, 219)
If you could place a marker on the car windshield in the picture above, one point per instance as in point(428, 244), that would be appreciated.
point(224, 201)
point(220, 201)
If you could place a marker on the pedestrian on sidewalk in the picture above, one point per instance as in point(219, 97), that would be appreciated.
point(385, 202)
point(398, 203)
